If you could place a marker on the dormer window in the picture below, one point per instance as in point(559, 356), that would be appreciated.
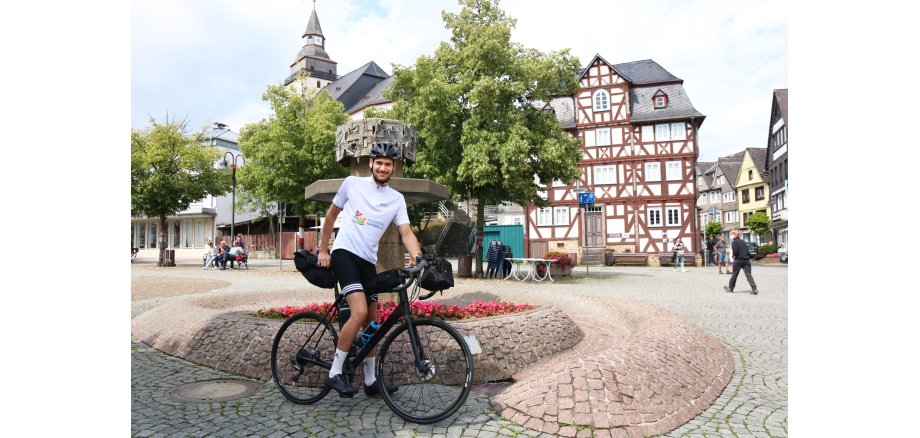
point(660, 100)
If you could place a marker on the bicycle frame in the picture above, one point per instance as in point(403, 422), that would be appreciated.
point(401, 310)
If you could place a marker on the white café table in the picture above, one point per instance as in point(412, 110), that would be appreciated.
point(519, 273)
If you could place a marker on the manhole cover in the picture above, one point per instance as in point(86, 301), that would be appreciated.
point(209, 391)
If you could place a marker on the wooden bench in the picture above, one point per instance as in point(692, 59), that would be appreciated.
point(630, 259)
point(664, 259)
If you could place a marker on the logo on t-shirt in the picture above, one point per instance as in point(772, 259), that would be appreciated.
point(359, 218)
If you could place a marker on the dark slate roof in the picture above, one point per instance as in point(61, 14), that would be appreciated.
point(703, 169)
point(730, 169)
point(564, 107)
point(759, 155)
point(218, 134)
point(645, 72)
point(353, 86)
point(312, 50)
point(782, 98)
point(314, 74)
point(679, 106)
point(374, 96)
point(313, 27)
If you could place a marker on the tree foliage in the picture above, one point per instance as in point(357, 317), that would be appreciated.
point(170, 170)
point(713, 229)
point(291, 149)
point(477, 104)
point(759, 223)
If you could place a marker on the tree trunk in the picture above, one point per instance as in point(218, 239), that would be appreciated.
point(161, 245)
point(480, 224)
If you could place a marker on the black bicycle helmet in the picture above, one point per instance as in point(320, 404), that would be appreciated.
point(385, 150)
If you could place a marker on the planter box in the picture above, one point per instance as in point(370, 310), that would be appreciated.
point(557, 270)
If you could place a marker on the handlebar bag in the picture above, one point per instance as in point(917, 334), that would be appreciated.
point(438, 275)
point(305, 262)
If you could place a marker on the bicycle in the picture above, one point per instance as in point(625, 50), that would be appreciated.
point(427, 358)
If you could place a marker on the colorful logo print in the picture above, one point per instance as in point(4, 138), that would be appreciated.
point(359, 218)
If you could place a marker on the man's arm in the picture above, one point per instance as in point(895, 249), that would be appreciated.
point(410, 242)
point(326, 233)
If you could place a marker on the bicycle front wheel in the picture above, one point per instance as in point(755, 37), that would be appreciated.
point(433, 389)
point(302, 354)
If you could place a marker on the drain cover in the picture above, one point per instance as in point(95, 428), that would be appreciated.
point(209, 391)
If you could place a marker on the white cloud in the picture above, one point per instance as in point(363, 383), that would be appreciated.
point(213, 59)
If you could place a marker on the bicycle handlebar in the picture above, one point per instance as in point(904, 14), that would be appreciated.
point(412, 275)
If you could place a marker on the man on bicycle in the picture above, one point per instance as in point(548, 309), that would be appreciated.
point(369, 205)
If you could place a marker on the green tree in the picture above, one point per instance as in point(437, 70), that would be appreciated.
point(713, 229)
point(291, 149)
point(477, 106)
point(169, 171)
point(759, 223)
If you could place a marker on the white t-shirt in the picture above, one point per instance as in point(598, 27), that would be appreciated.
point(367, 210)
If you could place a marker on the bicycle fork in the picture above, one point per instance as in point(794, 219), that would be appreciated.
point(424, 368)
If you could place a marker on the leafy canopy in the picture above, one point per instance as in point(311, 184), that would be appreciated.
point(291, 149)
point(170, 170)
point(477, 105)
point(713, 229)
point(759, 223)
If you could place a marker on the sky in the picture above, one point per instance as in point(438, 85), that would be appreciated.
point(210, 61)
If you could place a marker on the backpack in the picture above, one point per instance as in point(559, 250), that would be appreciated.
point(305, 262)
point(438, 275)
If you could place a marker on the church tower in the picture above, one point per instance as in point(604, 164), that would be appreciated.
point(312, 59)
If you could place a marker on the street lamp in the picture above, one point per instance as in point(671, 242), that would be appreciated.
point(232, 163)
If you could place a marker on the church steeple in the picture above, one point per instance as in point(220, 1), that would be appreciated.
point(312, 57)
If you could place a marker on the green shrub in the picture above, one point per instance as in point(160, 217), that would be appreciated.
point(766, 249)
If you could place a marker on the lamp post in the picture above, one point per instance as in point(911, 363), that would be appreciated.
point(232, 163)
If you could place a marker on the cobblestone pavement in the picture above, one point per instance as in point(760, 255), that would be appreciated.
point(753, 328)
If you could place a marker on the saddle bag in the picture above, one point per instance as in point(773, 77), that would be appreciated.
point(438, 275)
point(305, 262)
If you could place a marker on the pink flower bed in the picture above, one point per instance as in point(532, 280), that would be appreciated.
point(451, 312)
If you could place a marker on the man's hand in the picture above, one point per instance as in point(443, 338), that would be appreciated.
point(324, 259)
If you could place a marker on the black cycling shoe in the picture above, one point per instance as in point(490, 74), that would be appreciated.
point(374, 389)
point(341, 385)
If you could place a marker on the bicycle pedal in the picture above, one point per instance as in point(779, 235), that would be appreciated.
point(346, 395)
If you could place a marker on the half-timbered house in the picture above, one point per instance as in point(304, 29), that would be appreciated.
point(638, 132)
point(777, 165)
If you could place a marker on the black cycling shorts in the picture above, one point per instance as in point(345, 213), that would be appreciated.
point(353, 273)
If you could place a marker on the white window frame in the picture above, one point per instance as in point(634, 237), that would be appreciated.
point(602, 137)
point(678, 167)
point(728, 197)
point(704, 199)
point(605, 174)
point(653, 220)
point(662, 132)
point(605, 102)
point(561, 215)
point(730, 216)
point(720, 180)
point(661, 101)
point(676, 216)
point(544, 216)
point(678, 131)
point(653, 172)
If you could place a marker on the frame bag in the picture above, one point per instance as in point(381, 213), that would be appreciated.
point(305, 262)
point(438, 275)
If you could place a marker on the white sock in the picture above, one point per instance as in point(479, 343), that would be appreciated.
point(337, 362)
point(369, 364)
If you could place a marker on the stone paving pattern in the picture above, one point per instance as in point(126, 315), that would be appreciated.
point(753, 328)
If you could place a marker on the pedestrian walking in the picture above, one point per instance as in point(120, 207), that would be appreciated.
point(721, 254)
point(742, 261)
point(679, 250)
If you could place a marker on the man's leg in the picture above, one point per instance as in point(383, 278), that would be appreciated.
point(750, 278)
point(358, 306)
point(731, 281)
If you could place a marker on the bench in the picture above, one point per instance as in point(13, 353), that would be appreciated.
point(664, 259)
point(629, 259)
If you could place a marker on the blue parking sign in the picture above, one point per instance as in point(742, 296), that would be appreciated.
point(585, 198)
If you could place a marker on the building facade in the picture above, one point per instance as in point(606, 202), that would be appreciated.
point(777, 165)
point(638, 132)
point(751, 189)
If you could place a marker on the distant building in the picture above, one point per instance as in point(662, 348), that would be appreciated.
point(777, 165)
point(752, 189)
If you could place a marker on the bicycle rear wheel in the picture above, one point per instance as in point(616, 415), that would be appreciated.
point(302, 354)
point(437, 389)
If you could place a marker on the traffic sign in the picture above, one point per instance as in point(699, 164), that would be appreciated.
point(585, 198)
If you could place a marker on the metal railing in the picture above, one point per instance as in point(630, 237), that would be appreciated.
point(443, 236)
